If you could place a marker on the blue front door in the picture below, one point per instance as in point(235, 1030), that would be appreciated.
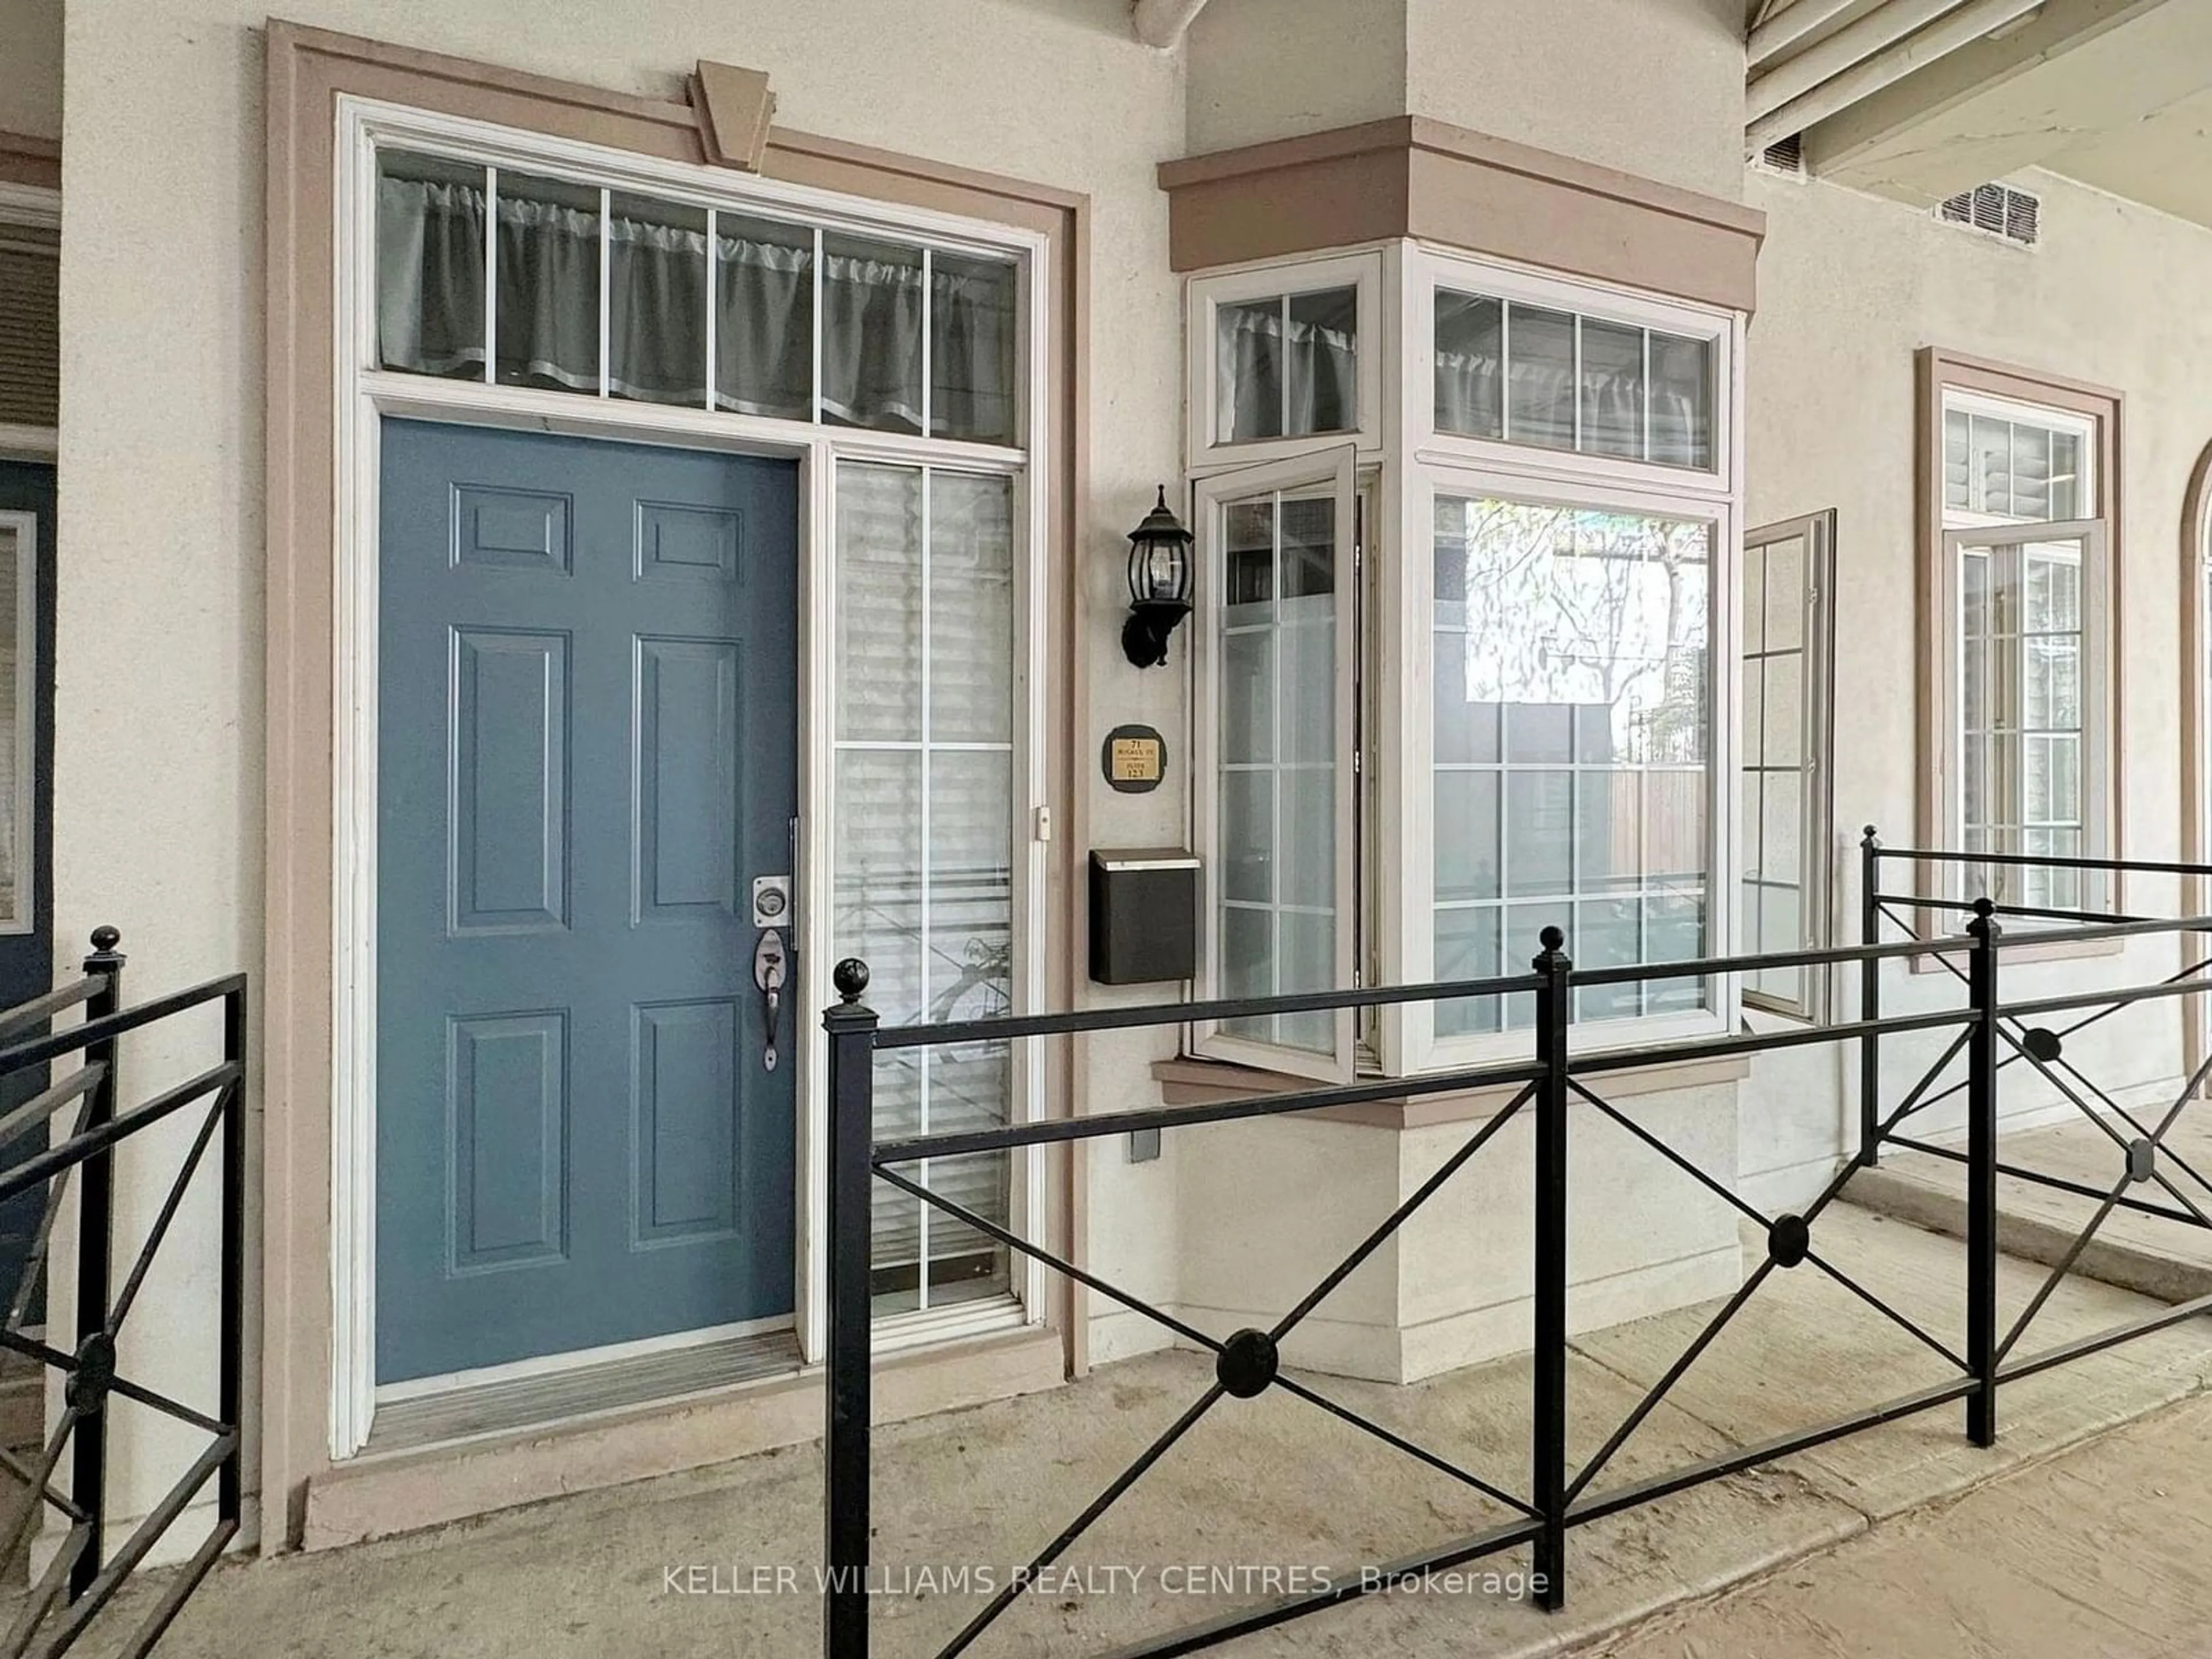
point(27, 960)
point(585, 756)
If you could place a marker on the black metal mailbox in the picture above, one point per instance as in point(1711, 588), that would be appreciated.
point(1144, 915)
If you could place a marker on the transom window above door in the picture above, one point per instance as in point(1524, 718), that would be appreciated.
point(611, 294)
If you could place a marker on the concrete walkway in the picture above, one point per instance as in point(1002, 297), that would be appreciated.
point(689, 1565)
point(2103, 1550)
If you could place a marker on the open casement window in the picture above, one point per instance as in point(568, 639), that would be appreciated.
point(1787, 692)
point(2028, 708)
point(1277, 640)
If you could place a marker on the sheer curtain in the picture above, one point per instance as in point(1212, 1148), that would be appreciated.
point(1544, 378)
point(430, 312)
point(1257, 348)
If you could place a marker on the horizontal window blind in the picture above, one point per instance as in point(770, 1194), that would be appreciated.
point(30, 328)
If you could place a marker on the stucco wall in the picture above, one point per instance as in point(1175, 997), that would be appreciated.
point(159, 785)
point(1850, 286)
point(1275, 69)
point(31, 67)
point(1652, 87)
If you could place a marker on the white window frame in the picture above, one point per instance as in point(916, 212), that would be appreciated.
point(2099, 720)
point(365, 394)
point(2089, 487)
point(1427, 269)
point(1426, 1050)
point(2097, 734)
point(1336, 472)
point(1204, 298)
point(25, 527)
point(1460, 465)
point(1816, 834)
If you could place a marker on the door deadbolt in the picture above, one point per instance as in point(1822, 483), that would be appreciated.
point(771, 900)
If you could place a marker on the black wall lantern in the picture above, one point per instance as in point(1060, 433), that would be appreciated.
point(1159, 585)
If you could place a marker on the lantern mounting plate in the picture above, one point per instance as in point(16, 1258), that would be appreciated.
point(1151, 624)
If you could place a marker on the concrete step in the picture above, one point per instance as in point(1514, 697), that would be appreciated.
point(2166, 1260)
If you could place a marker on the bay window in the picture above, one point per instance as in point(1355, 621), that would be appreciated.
point(1512, 705)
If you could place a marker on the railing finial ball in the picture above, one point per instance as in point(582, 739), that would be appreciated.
point(1984, 906)
point(1871, 837)
point(851, 978)
point(1552, 939)
point(104, 938)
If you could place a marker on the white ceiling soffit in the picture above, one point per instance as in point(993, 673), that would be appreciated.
point(1795, 86)
point(2110, 90)
point(1162, 23)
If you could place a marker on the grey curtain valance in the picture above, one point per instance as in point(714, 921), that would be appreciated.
point(1542, 393)
point(431, 314)
point(1256, 351)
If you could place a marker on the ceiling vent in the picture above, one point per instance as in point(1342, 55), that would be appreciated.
point(1999, 209)
point(1785, 155)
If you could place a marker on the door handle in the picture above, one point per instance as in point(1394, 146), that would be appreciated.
point(771, 963)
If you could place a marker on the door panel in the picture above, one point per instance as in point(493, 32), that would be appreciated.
point(587, 753)
point(27, 960)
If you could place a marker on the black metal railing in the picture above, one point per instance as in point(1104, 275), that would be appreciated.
point(1552, 1079)
point(80, 1580)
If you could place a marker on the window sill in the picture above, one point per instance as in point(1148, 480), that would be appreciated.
point(1204, 1082)
point(2056, 950)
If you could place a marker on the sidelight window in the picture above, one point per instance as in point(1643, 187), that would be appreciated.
point(924, 887)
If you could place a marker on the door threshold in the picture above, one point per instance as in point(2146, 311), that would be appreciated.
point(541, 1399)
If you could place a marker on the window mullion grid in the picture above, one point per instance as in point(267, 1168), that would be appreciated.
point(927, 1056)
point(1505, 827)
point(1505, 372)
point(714, 298)
point(928, 314)
point(814, 402)
point(491, 276)
point(607, 292)
point(1279, 633)
point(1575, 384)
point(1643, 338)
